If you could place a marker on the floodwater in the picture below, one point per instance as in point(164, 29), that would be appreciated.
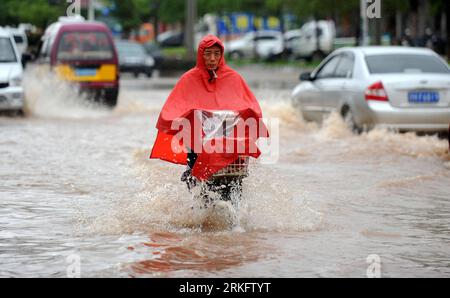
point(77, 187)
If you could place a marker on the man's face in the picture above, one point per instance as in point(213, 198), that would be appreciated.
point(212, 57)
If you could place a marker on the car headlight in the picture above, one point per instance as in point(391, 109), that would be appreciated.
point(149, 61)
point(16, 82)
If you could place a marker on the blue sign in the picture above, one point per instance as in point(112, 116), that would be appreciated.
point(241, 23)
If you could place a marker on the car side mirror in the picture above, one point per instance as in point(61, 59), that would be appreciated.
point(306, 76)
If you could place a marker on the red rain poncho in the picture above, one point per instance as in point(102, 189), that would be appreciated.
point(194, 91)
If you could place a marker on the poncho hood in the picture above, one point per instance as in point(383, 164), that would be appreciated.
point(207, 42)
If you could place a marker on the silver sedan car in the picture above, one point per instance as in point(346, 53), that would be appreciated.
point(406, 89)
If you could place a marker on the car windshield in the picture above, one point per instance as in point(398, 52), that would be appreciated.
point(405, 63)
point(85, 46)
point(130, 49)
point(7, 51)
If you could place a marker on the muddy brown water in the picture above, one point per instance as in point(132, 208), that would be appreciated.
point(76, 181)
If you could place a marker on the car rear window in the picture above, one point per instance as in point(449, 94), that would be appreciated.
point(131, 49)
point(405, 63)
point(85, 46)
point(7, 51)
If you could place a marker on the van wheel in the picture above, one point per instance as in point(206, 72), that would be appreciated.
point(12, 113)
point(111, 97)
point(20, 113)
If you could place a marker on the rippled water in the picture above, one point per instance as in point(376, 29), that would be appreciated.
point(76, 180)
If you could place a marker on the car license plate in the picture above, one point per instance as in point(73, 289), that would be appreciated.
point(85, 72)
point(423, 97)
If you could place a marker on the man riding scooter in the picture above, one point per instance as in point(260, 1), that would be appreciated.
point(208, 106)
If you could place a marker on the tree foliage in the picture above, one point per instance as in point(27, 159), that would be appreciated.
point(37, 12)
point(132, 13)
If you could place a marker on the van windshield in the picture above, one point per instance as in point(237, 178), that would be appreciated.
point(84, 46)
point(7, 54)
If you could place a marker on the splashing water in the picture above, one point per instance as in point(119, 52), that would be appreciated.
point(52, 97)
point(87, 187)
point(376, 142)
point(165, 203)
point(334, 127)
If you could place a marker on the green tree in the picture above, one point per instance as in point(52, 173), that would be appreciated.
point(132, 13)
point(172, 11)
point(37, 12)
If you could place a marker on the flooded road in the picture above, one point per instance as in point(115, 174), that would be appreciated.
point(76, 184)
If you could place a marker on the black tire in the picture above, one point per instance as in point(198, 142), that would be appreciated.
point(149, 74)
point(111, 97)
point(13, 113)
point(225, 188)
point(20, 113)
point(308, 59)
point(349, 119)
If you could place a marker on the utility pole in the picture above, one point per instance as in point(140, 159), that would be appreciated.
point(91, 11)
point(155, 9)
point(447, 25)
point(191, 18)
point(317, 32)
point(364, 24)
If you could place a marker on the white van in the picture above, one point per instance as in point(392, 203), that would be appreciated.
point(11, 74)
point(20, 38)
point(50, 33)
point(314, 40)
point(267, 43)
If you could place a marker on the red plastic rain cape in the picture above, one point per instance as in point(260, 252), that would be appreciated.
point(195, 92)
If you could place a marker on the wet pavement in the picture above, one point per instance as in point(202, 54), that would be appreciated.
point(77, 184)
